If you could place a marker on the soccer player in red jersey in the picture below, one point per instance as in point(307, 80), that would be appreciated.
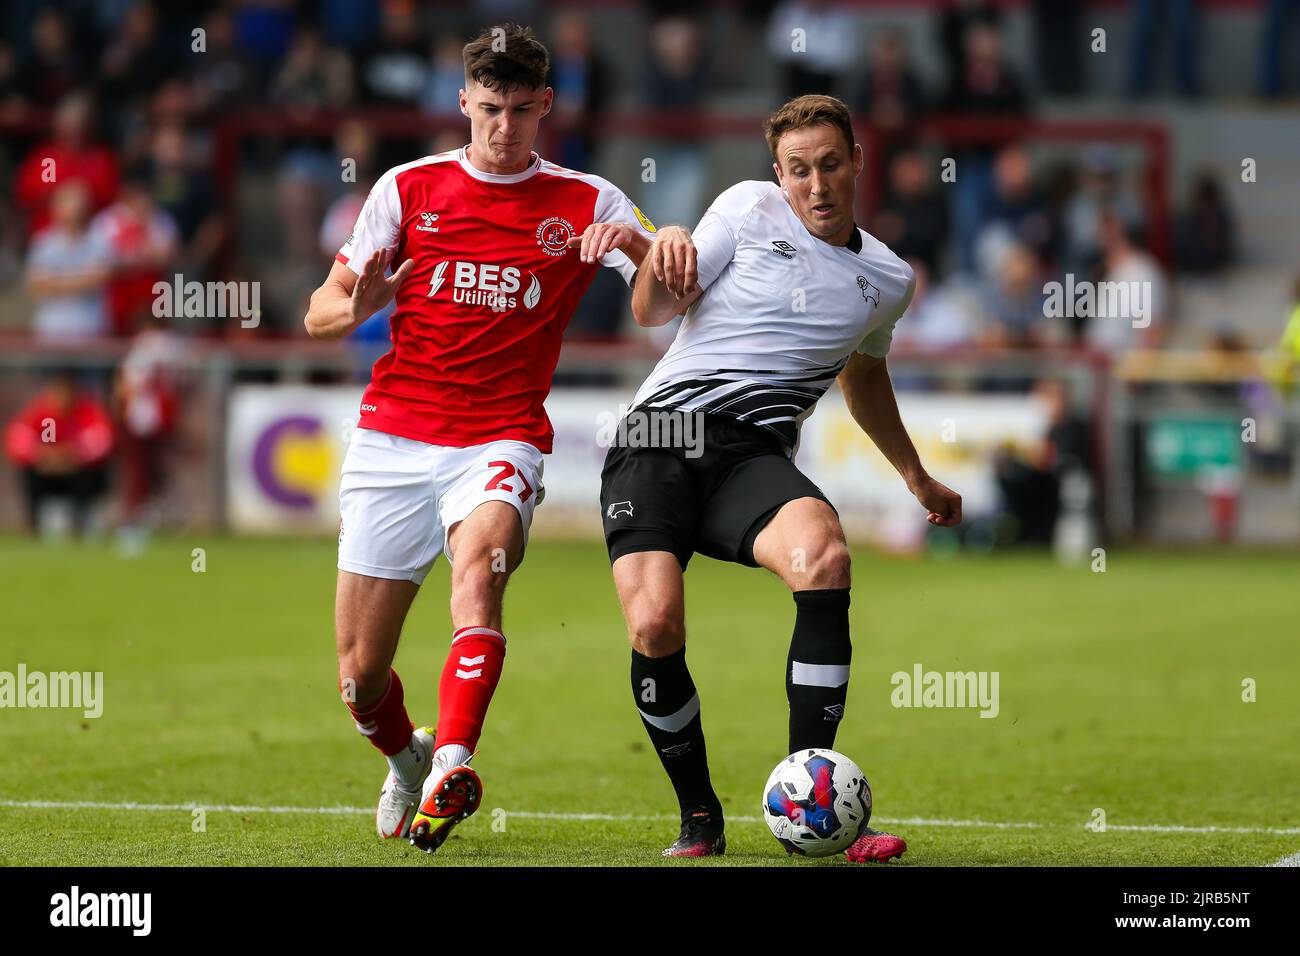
point(496, 247)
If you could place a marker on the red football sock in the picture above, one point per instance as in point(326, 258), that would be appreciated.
point(386, 723)
point(468, 679)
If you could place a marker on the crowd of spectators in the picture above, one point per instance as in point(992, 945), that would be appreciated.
point(120, 190)
point(123, 191)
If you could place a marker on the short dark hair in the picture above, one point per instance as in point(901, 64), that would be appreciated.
point(505, 58)
point(814, 109)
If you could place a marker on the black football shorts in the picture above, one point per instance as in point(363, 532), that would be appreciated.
point(714, 502)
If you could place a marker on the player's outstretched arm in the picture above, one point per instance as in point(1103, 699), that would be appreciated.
point(667, 281)
point(346, 299)
point(869, 395)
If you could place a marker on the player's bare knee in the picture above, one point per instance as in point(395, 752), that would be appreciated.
point(829, 566)
point(363, 677)
point(656, 630)
point(482, 577)
point(477, 590)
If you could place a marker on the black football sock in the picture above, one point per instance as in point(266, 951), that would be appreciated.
point(817, 671)
point(670, 709)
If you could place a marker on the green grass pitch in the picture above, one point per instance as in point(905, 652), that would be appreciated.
point(1120, 691)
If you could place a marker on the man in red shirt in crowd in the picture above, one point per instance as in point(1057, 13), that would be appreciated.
point(144, 241)
point(496, 247)
point(70, 156)
point(61, 441)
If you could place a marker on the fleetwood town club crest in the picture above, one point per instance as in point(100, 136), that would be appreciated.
point(553, 235)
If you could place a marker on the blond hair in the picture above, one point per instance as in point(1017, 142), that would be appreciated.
point(815, 109)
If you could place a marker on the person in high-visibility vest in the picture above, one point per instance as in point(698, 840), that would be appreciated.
point(1288, 349)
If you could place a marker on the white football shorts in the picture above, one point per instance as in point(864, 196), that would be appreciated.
point(398, 498)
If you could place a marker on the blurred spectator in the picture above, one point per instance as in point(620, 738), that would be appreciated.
point(353, 141)
point(135, 62)
point(146, 402)
point(1069, 438)
point(302, 189)
point(890, 95)
point(143, 242)
point(396, 67)
point(1030, 482)
point(953, 25)
point(740, 54)
point(348, 24)
point(913, 219)
point(1287, 368)
point(1269, 450)
point(1279, 24)
point(305, 183)
point(935, 319)
point(1205, 235)
point(582, 85)
point(817, 58)
point(10, 98)
point(264, 29)
point(677, 73)
point(187, 196)
point(67, 270)
point(1017, 209)
point(172, 104)
point(60, 442)
point(986, 85)
point(1101, 189)
point(1144, 323)
point(53, 68)
point(1057, 28)
point(1176, 20)
point(1286, 364)
point(313, 76)
point(676, 80)
point(69, 156)
point(371, 338)
point(1014, 300)
point(446, 78)
point(224, 78)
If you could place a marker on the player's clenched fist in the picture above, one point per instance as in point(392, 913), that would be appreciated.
point(672, 257)
point(941, 502)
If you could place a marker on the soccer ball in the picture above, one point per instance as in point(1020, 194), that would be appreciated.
point(816, 802)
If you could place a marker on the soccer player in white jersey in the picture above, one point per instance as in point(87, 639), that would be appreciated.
point(783, 294)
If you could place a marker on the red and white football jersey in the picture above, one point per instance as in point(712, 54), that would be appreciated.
point(478, 322)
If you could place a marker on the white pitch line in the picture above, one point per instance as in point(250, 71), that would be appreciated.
point(170, 807)
point(618, 817)
point(1292, 860)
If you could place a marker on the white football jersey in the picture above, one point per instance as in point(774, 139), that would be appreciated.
point(781, 313)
